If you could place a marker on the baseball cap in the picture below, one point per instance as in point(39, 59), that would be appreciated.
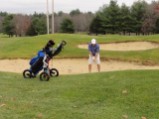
point(93, 41)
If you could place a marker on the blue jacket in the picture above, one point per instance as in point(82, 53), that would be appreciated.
point(93, 49)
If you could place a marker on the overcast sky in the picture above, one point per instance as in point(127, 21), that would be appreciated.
point(30, 6)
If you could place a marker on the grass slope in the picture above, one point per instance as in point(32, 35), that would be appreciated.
point(112, 95)
point(27, 47)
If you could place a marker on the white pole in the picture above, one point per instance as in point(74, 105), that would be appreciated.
point(47, 16)
point(52, 16)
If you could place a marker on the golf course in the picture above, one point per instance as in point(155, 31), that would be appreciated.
point(126, 87)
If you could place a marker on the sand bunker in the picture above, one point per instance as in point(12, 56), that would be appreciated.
point(128, 46)
point(79, 66)
point(72, 66)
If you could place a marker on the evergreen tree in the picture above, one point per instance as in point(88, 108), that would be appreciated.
point(112, 18)
point(38, 25)
point(75, 12)
point(8, 26)
point(108, 19)
point(96, 25)
point(157, 26)
point(126, 20)
point(138, 11)
point(67, 26)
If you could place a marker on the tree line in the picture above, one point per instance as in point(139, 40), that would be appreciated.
point(30, 25)
point(140, 18)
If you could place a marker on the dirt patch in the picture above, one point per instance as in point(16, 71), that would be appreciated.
point(72, 66)
point(128, 46)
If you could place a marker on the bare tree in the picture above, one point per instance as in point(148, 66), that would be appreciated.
point(82, 22)
point(22, 24)
point(150, 18)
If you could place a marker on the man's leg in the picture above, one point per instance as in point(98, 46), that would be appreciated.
point(90, 60)
point(98, 62)
point(90, 68)
point(98, 67)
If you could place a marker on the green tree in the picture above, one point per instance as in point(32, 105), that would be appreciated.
point(3, 14)
point(157, 26)
point(75, 12)
point(96, 25)
point(126, 20)
point(67, 26)
point(138, 11)
point(60, 13)
point(31, 31)
point(112, 18)
point(8, 26)
point(108, 19)
point(38, 25)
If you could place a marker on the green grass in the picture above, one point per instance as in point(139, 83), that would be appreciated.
point(89, 96)
point(27, 47)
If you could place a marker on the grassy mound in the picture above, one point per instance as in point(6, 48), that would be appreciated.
point(112, 95)
point(27, 47)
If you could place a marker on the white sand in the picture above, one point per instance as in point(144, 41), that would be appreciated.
point(128, 46)
point(72, 66)
point(79, 66)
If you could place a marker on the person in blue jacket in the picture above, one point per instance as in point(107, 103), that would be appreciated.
point(94, 55)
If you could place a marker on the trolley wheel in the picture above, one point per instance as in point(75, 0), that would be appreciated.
point(27, 73)
point(44, 76)
point(54, 72)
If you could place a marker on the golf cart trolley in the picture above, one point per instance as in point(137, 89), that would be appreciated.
point(37, 66)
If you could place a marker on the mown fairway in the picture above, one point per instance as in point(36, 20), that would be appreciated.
point(26, 47)
point(107, 95)
point(117, 95)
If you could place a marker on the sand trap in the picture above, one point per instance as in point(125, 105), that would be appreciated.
point(72, 66)
point(79, 66)
point(128, 46)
